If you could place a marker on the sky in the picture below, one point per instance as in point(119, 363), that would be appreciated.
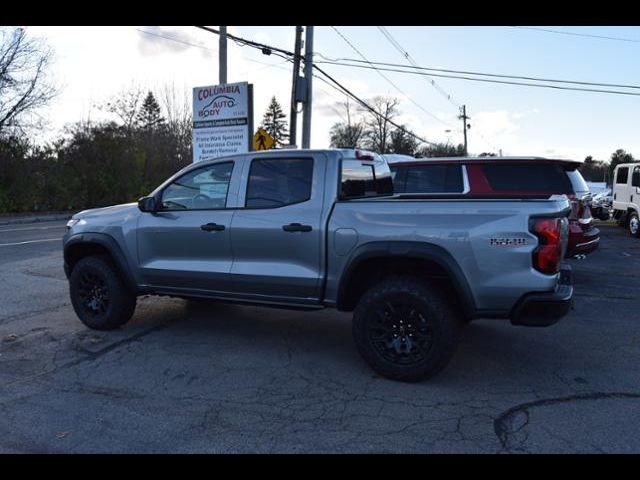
point(91, 64)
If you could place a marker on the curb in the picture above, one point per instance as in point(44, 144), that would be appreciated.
point(35, 219)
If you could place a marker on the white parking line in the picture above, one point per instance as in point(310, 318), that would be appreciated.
point(31, 241)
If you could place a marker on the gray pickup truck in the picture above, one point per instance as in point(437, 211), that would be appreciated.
point(311, 229)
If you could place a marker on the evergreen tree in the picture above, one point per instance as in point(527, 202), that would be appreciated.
point(149, 116)
point(275, 124)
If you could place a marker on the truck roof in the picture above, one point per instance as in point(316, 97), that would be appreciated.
point(346, 152)
point(632, 164)
point(426, 160)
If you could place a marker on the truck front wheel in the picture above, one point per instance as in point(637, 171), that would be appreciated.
point(406, 328)
point(98, 295)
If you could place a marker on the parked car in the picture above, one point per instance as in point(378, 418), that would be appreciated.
point(601, 204)
point(505, 177)
point(626, 190)
point(309, 229)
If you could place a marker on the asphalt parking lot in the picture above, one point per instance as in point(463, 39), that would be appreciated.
point(203, 377)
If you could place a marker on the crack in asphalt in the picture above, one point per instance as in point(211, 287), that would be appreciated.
point(92, 356)
point(503, 425)
point(32, 313)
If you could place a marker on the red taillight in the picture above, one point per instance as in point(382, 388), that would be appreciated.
point(548, 254)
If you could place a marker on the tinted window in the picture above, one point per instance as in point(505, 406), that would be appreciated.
point(623, 175)
point(203, 188)
point(635, 177)
point(359, 179)
point(528, 177)
point(430, 179)
point(275, 183)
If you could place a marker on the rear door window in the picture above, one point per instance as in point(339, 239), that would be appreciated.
point(528, 177)
point(623, 175)
point(279, 182)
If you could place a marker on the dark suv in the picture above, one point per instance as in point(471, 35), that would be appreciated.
point(508, 177)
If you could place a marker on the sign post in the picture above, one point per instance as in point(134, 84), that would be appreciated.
point(222, 120)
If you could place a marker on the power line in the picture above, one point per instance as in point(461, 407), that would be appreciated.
point(369, 107)
point(353, 47)
point(270, 49)
point(177, 40)
point(497, 75)
point(184, 42)
point(406, 55)
point(266, 49)
point(575, 34)
point(486, 80)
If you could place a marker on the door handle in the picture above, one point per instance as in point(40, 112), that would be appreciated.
point(212, 227)
point(297, 227)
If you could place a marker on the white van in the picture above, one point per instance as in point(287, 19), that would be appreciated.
point(626, 196)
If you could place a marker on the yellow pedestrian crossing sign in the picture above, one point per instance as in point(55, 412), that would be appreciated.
point(262, 140)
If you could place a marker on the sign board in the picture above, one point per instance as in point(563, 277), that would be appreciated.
point(222, 117)
point(262, 140)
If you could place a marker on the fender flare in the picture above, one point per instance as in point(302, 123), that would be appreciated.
point(400, 249)
point(109, 243)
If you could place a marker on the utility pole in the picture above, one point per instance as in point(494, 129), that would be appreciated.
point(222, 56)
point(293, 122)
point(465, 127)
point(308, 76)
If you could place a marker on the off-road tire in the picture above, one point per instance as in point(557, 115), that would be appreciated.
point(435, 313)
point(112, 304)
point(633, 225)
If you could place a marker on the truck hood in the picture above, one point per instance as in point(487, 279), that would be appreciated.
point(114, 211)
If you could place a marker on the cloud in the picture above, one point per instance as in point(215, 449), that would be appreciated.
point(263, 37)
point(525, 113)
point(159, 41)
point(499, 122)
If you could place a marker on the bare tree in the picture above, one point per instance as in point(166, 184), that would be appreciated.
point(349, 134)
point(377, 126)
point(125, 105)
point(177, 110)
point(24, 82)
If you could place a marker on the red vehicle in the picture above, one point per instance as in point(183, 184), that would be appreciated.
point(521, 177)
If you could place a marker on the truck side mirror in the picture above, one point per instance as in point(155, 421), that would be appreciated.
point(635, 179)
point(148, 204)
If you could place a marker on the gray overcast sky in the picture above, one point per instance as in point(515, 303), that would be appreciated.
point(95, 62)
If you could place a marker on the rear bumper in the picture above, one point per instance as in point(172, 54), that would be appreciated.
point(583, 242)
point(544, 309)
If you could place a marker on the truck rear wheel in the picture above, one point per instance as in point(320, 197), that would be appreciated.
point(98, 295)
point(634, 225)
point(406, 329)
